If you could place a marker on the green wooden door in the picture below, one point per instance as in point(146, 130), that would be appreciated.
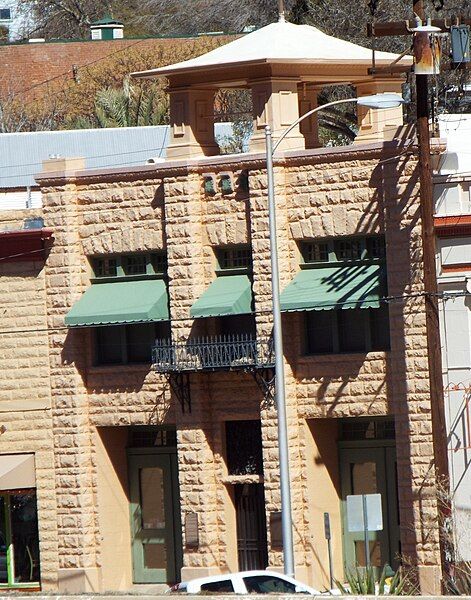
point(371, 470)
point(155, 518)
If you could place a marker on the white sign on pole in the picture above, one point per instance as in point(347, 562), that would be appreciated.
point(355, 514)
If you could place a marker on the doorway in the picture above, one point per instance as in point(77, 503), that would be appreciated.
point(368, 466)
point(251, 526)
point(19, 540)
point(156, 531)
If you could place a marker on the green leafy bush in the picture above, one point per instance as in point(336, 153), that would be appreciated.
point(363, 581)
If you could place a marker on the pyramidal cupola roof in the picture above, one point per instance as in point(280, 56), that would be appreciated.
point(280, 42)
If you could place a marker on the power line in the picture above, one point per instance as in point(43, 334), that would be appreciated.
point(18, 165)
point(332, 306)
point(66, 73)
point(405, 152)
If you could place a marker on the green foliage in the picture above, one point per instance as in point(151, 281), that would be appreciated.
point(363, 581)
point(94, 97)
point(237, 142)
point(125, 107)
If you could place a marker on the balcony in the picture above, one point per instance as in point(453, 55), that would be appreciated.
point(241, 352)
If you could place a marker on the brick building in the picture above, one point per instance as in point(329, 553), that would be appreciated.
point(149, 467)
point(29, 70)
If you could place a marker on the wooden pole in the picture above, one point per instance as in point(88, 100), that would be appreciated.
point(430, 274)
point(437, 403)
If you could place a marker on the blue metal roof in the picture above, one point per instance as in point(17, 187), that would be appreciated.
point(22, 154)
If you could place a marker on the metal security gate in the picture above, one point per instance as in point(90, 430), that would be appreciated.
point(251, 526)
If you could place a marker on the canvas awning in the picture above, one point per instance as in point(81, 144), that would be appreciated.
point(227, 295)
point(17, 471)
point(120, 302)
point(327, 288)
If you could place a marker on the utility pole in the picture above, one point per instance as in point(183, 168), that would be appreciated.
point(430, 272)
point(428, 242)
point(440, 442)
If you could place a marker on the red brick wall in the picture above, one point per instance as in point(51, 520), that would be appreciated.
point(26, 67)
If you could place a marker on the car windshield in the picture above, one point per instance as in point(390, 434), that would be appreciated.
point(268, 584)
point(225, 586)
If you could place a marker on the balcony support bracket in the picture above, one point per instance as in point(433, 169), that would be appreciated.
point(265, 379)
point(180, 384)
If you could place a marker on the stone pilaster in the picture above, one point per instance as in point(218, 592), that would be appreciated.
point(76, 510)
point(187, 281)
point(191, 123)
point(275, 103)
point(263, 306)
point(373, 124)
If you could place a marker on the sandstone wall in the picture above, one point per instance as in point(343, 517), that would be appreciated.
point(317, 194)
point(25, 391)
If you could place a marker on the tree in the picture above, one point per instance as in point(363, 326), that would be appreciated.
point(60, 103)
point(67, 19)
point(125, 107)
point(341, 18)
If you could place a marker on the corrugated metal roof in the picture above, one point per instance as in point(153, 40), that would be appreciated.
point(21, 154)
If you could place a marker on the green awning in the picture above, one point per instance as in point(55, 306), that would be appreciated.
point(120, 302)
point(326, 288)
point(227, 295)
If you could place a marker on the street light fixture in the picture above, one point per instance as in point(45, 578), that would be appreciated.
point(375, 101)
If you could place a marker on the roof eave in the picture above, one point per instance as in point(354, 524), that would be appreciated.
point(405, 62)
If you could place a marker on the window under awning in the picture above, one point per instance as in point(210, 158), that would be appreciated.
point(120, 302)
point(227, 295)
point(17, 471)
point(328, 288)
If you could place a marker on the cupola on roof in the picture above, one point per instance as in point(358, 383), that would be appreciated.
point(284, 66)
point(281, 43)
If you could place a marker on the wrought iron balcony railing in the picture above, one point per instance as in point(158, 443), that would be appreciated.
point(230, 352)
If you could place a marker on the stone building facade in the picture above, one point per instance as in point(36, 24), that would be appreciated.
point(151, 468)
point(84, 414)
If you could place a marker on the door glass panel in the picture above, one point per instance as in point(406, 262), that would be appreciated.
point(24, 525)
point(155, 556)
point(3, 543)
point(152, 497)
point(375, 553)
point(363, 477)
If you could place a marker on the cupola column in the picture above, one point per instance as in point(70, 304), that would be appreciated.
point(373, 124)
point(275, 103)
point(191, 123)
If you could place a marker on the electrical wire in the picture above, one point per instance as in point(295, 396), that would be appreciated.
point(94, 156)
point(67, 73)
point(403, 152)
point(333, 306)
point(18, 165)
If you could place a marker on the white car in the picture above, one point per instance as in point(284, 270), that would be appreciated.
point(245, 582)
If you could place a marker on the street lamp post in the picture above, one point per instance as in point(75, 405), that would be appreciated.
point(376, 101)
